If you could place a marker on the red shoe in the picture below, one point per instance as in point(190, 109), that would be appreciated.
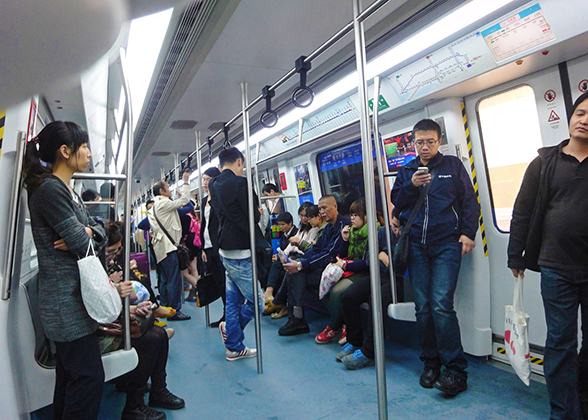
point(343, 340)
point(327, 335)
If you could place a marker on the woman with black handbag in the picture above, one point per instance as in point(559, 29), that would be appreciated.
point(212, 283)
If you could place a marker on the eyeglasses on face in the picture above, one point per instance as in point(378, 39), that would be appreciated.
point(429, 142)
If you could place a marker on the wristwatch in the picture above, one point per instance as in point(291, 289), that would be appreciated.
point(299, 266)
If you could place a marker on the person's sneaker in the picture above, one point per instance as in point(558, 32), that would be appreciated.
point(179, 316)
point(356, 360)
point(164, 312)
point(165, 399)
point(345, 351)
point(429, 377)
point(243, 354)
point(271, 308)
point(223, 331)
point(159, 323)
point(327, 335)
point(451, 384)
point(343, 340)
point(142, 412)
point(294, 326)
point(283, 312)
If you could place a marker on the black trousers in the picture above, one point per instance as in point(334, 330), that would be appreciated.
point(217, 269)
point(152, 348)
point(79, 379)
point(298, 283)
point(352, 298)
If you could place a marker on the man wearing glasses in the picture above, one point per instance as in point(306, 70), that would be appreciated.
point(443, 231)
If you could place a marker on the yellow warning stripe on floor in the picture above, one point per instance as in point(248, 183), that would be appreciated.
point(2, 121)
point(534, 360)
point(474, 177)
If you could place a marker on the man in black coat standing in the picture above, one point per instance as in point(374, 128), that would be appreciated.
point(228, 196)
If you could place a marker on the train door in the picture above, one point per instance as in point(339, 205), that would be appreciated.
point(508, 123)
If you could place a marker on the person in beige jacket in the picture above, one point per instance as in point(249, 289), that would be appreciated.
point(168, 267)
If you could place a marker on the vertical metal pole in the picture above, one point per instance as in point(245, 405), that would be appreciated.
point(127, 211)
point(300, 125)
point(257, 149)
point(379, 155)
point(252, 208)
point(370, 201)
point(200, 203)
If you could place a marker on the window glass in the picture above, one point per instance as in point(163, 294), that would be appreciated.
point(341, 175)
point(511, 136)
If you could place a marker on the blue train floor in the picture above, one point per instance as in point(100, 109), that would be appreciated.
point(302, 380)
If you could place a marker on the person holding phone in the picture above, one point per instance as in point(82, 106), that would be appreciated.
point(443, 231)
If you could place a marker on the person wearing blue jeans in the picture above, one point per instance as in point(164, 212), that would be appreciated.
point(228, 198)
point(443, 230)
point(239, 309)
point(548, 235)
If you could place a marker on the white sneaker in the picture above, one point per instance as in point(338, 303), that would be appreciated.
point(223, 331)
point(243, 354)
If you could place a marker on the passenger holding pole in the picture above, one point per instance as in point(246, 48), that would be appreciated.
point(228, 197)
point(548, 233)
point(443, 231)
point(165, 251)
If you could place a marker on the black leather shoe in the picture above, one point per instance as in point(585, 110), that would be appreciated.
point(166, 399)
point(142, 412)
point(217, 323)
point(451, 384)
point(179, 316)
point(294, 326)
point(429, 377)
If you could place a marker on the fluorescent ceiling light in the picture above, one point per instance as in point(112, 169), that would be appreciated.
point(145, 40)
point(441, 29)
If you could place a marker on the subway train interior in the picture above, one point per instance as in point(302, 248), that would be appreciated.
point(162, 87)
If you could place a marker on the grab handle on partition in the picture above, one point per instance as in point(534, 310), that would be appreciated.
point(269, 118)
point(302, 68)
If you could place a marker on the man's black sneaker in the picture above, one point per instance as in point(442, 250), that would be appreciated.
point(142, 412)
point(429, 377)
point(179, 316)
point(165, 399)
point(451, 384)
point(294, 326)
point(217, 323)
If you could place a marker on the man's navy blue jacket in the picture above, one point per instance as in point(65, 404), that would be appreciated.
point(326, 246)
point(450, 208)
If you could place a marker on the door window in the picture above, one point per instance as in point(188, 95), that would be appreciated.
point(510, 132)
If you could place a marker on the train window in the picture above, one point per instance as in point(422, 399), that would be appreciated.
point(341, 175)
point(509, 126)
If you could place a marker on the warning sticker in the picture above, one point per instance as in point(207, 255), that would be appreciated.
point(550, 95)
point(583, 86)
point(553, 117)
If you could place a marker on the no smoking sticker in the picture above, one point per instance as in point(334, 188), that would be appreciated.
point(550, 95)
point(583, 86)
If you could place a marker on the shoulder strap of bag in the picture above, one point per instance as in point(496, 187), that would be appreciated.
point(420, 201)
point(162, 228)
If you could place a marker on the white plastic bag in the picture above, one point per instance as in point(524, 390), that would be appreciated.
point(331, 275)
point(516, 334)
point(99, 294)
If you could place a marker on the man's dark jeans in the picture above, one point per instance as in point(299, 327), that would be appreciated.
point(298, 283)
point(566, 374)
point(433, 271)
point(170, 284)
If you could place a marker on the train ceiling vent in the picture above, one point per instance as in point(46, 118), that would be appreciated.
point(183, 124)
point(160, 154)
point(185, 39)
point(215, 126)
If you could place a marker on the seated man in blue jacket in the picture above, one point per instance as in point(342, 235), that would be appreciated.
point(443, 232)
point(306, 271)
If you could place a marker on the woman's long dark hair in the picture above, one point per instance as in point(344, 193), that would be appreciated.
point(303, 207)
point(45, 148)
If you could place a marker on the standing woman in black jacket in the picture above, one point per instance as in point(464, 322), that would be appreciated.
point(209, 241)
point(62, 229)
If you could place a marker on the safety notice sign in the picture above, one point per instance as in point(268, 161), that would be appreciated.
point(553, 117)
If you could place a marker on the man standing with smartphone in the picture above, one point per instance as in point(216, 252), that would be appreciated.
point(443, 230)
